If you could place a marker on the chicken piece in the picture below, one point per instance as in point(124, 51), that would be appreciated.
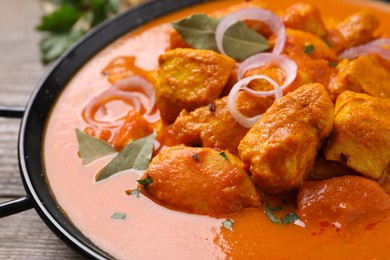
point(134, 127)
point(361, 134)
point(281, 147)
point(306, 18)
point(189, 79)
point(200, 181)
point(356, 29)
point(207, 126)
point(341, 200)
point(364, 75)
point(313, 57)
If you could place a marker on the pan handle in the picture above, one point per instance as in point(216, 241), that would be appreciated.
point(23, 203)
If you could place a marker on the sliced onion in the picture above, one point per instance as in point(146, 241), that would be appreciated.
point(241, 119)
point(134, 91)
point(257, 14)
point(374, 47)
point(289, 67)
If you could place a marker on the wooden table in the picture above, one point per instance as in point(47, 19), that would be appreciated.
point(24, 235)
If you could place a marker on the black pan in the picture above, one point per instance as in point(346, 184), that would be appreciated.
point(39, 106)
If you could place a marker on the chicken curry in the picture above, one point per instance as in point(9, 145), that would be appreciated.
point(233, 129)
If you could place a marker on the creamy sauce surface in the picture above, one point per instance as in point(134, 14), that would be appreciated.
point(151, 231)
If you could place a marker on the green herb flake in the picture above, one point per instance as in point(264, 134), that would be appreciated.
point(270, 214)
point(135, 192)
point(91, 148)
point(196, 157)
point(290, 218)
point(228, 224)
point(309, 49)
point(333, 64)
point(241, 42)
point(198, 31)
point(118, 215)
point(224, 155)
point(136, 155)
point(146, 182)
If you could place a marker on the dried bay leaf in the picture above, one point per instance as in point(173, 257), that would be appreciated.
point(136, 155)
point(91, 148)
point(198, 30)
point(241, 42)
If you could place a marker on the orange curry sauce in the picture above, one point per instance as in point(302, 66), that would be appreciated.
point(151, 231)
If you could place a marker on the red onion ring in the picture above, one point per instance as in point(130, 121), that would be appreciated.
point(241, 119)
point(374, 47)
point(257, 14)
point(134, 91)
point(258, 60)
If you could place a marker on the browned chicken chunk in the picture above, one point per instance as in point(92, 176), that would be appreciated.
point(201, 181)
point(281, 147)
point(361, 134)
point(356, 29)
point(364, 75)
point(341, 200)
point(304, 17)
point(209, 126)
point(189, 79)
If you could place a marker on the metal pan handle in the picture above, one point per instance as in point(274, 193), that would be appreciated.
point(23, 203)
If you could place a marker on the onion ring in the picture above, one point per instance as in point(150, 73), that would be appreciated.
point(134, 91)
point(241, 119)
point(258, 60)
point(373, 47)
point(258, 14)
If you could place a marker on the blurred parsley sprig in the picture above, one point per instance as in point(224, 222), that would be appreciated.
point(70, 20)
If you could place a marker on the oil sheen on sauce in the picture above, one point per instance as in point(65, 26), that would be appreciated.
point(151, 231)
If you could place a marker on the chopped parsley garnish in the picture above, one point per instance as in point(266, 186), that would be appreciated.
point(196, 157)
point(228, 224)
point(224, 155)
point(309, 49)
point(118, 215)
point(270, 214)
point(287, 219)
point(135, 192)
point(333, 64)
point(146, 182)
point(290, 218)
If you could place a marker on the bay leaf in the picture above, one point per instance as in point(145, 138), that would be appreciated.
point(91, 148)
point(136, 155)
point(240, 42)
point(198, 31)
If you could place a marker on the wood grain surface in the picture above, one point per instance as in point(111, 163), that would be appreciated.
point(23, 235)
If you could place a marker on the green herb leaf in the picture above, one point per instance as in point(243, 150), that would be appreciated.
point(309, 49)
point(135, 192)
point(91, 148)
point(61, 20)
point(53, 45)
point(289, 218)
point(228, 224)
point(70, 20)
point(136, 155)
point(118, 215)
point(333, 64)
point(240, 42)
point(268, 211)
point(224, 155)
point(198, 31)
point(196, 157)
point(146, 182)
